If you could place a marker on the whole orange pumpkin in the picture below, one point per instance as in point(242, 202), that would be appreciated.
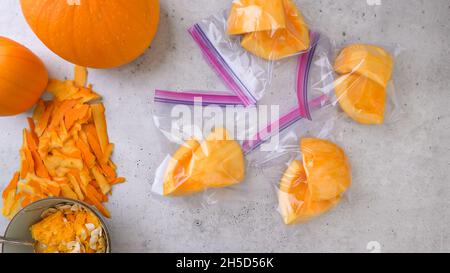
point(94, 33)
point(23, 78)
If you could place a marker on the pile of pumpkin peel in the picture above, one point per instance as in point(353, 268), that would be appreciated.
point(66, 150)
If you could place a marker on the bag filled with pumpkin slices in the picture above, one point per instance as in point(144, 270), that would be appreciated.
point(249, 45)
point(364, 87)
point(309, 173)
point(203, 152)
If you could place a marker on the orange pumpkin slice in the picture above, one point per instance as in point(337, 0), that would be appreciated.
point(294, 199)
point(255, 15)
point(294, 177)
point(327, 169)
point(370, 61)
point(280, 43)
point(219, 161)
point(312, 209)
point(361, 99)
point(178, 172)
point(215, 163)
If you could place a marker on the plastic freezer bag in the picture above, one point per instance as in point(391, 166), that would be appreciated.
point(247, 62)
point(312, 173)
point(205, 151)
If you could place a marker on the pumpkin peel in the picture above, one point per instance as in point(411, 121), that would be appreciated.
point(66, 150)
point(80, 75)
point(44, 119)
point(12, 186)
point(98, 114)
point(39, 110)
point(75, 114)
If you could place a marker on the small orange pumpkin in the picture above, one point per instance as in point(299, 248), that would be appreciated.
point(94, 33)
point(23, 78)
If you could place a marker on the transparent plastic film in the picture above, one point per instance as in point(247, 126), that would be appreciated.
point(364, 86)
point(303, 79)
point(205, 151)
point(279, 143)
point(311, 95)
point(245, 75)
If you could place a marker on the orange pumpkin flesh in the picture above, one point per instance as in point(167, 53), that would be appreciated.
point(314, 186)
point(255, 15)
point(370, 61)
point(361, 98)
point(94, 33)
point(217, 162)
point(327, 169)
point(178, 171)
point(23, 78)
point(280, 43)
point(361, 89)
point(294, 199)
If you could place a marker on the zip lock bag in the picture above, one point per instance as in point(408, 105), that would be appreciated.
point(205, 150)
point(206, 145)
point(310, 174)
point(247, 48)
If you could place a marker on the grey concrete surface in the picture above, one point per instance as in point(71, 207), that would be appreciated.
point(400, 196)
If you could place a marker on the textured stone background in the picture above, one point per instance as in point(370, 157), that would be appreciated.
point(400, 197)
